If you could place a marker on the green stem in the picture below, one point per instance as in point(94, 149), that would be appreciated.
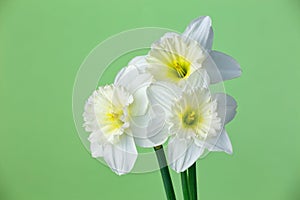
point(165, 174)
point(184, 185)
point(193, 181)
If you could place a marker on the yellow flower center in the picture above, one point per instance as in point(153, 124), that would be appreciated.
point(191, 119)
point(113, 118)
point(180, 66)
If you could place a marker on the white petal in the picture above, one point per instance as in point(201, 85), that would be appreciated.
point(221, 67)
point(140, 104)
point(172, 44)
point(138, 126)
point(95, 146)
point(90, 120)
point(221, 143)
point(121, 97)
point(182, 153)
point(152, 131)
point(200, 30)
point(96, 149)
point(120, 74)
point(120, 157)
point(136, 84)
point(140, 63)
point(142, 80)
point(163, 94)
point(226, 106)
point(198, 79)
point(132, 79)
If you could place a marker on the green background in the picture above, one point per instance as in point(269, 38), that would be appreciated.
point(42, 45)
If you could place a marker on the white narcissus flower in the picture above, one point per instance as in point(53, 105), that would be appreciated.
point(108, 116)
point(174, 58)
point(195, 120)
point(184, 66)
point(119, 116)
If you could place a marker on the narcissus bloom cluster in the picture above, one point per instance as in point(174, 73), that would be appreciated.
point(164, 97)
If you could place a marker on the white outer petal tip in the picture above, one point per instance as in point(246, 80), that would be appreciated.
point(200, 30)
point(221, 67)
point(183, 153)
point(226, 106)
point(121, 157)
point(222, 143)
